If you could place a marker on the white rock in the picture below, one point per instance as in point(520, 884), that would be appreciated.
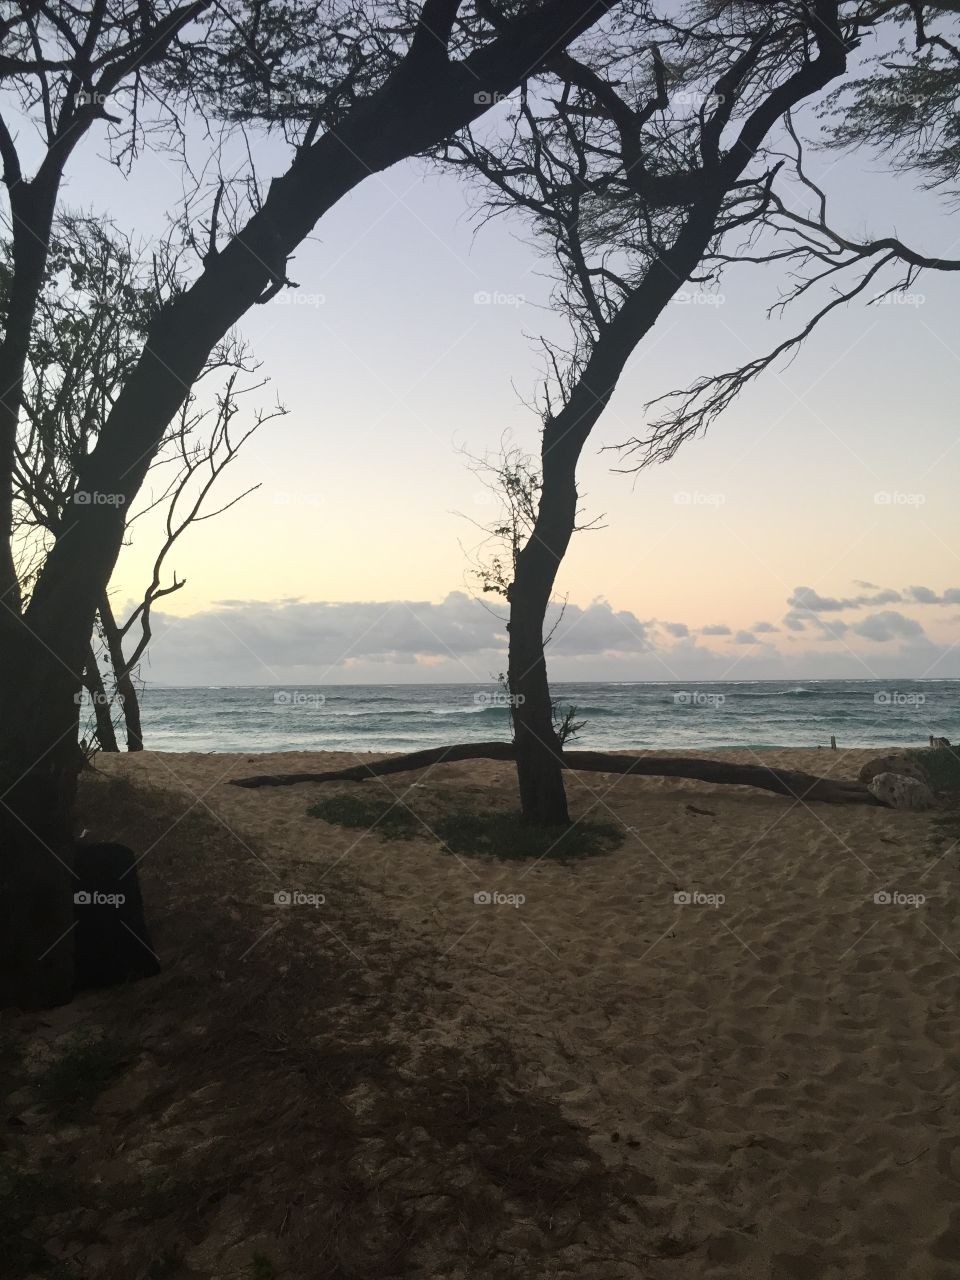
point(901, 792)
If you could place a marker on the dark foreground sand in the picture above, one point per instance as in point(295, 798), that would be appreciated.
point(600, 1082)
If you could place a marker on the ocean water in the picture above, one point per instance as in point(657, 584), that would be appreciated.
point(802, 713)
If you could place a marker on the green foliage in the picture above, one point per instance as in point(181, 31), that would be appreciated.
point(282, 64)
point(907, 107)
point(384, 815)
point(92, 277)
point(565, 722)
point(93, 315)
point(69, 1086)
point(516, 484)
point(261, 1268)
point(506, 837)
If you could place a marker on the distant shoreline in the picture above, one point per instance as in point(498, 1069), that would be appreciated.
point(472, 684)
point(616, 715)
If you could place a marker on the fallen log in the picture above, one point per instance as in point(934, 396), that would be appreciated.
point(785, 782)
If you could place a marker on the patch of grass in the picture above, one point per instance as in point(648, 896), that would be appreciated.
point(261, 1268)
point(385, 815)
point(25, 1197)
point(496, 834)
point(11, 1055)
point(941, 766)
point(69, 1086)
point(505, 836)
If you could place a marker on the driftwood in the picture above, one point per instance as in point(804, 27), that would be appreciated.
point(785, 782)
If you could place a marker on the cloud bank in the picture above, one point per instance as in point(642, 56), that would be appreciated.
point(462, 639)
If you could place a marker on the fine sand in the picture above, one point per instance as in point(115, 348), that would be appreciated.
point(775, 1066)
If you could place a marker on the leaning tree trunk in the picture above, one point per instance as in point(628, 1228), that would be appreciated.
point(40, 679)
point(538, 750)
point(126, 690)
point(131, 711)
point(39, 764)
point(539, 754)
point(93, 680)
point(543, 798)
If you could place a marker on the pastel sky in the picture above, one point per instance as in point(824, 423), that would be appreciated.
point(391, 366)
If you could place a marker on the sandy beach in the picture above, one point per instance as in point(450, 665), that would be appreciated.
point(770, 1064)
point(326, 331)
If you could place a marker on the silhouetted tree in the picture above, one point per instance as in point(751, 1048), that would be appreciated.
point(635, 180)
point(92, 318)
point(204, 442)
point(908, 109)
point(907, 104)
point(355, 87)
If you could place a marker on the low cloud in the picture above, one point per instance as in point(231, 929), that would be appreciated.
point(284, 640)
point(461, 639)
point(806, 600)
point(888, 625)
point(924, 595)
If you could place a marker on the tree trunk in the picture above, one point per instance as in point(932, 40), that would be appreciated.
point(39, 764)
point(123, 679)
point(31, 221)
point(93, 681)
point(131, 711)
point(543, 797)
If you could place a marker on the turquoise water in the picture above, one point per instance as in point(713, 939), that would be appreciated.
point(618, 716)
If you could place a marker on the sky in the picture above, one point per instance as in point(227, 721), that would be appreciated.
point(812, 532)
